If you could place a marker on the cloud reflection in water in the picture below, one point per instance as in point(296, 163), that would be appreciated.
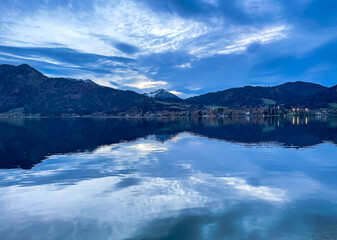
point(157, 190)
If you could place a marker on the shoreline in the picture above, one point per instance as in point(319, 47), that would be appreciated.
point(164, 117)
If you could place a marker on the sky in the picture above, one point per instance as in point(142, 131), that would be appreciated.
point(188, 47)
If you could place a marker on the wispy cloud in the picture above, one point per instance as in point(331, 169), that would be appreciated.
point(113, 28)
point(238, 41)
point(176, 92)
point(184, 65)
point(147, 84)
point(86, 35)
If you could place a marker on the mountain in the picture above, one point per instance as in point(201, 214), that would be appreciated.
point(23, 87)
point(302, 88)
point(25, 90)
point(249, 96)
point(323, 99)
point(162, 94)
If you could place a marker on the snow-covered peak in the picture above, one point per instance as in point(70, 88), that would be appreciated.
point(162, 94)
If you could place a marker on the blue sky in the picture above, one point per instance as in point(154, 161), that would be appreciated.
point(186, 46)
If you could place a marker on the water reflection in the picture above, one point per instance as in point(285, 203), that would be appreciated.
point(24, 143)
point(177, 182)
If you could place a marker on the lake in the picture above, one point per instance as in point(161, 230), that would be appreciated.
point(211, 178)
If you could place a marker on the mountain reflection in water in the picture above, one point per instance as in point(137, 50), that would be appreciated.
point(25, 142)
point(95, 179)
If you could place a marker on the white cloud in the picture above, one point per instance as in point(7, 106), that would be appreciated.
point(176, 92)
point(125, 77)
point(147, 84)
point(39, 59)
point(239, 41)
point(195, 89)
point(184, 65)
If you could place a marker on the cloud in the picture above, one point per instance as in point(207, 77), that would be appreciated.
point(33, 58)
point(147, 84)
point(184, 65)
point(67, 58)
point(158, 195)
point(195, 89)
point(238, 42)
point(126, 22)
point(130, 25)
point(176, 92)
point(126, 48)
point(165, 41)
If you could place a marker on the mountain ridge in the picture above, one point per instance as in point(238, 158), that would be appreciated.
point(322, 99)
point(23, 87)
point(254, 96)
point(162, 94)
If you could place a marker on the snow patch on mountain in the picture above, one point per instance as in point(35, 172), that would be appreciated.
point(161, 94)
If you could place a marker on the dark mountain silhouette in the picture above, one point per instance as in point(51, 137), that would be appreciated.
point(302, 88)
point(324, 99)
point(24, 87)
point(249, 96)
point(25, 90)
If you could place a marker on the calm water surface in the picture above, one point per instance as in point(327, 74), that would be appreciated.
point(230, 178)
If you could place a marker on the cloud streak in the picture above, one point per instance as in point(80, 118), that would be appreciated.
point(150, 44)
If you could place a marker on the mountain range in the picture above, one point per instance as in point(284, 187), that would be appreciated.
point(291, 94)
point(23, 88)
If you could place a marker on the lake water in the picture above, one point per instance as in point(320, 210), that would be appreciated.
point(216, 178)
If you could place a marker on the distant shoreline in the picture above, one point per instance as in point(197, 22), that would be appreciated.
point(163, 117)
